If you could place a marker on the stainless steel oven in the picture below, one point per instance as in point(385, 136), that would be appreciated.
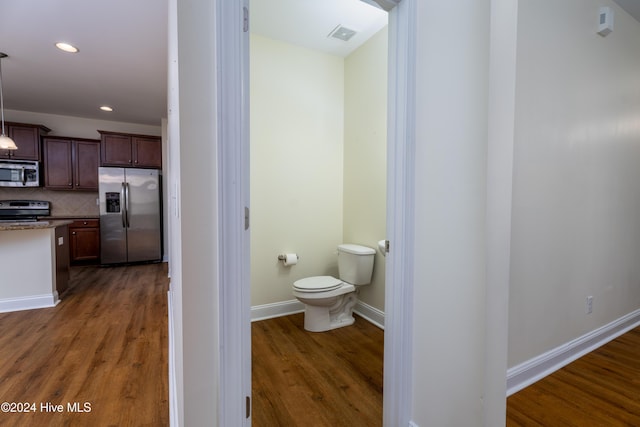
point(19, 173)
point(23, 210)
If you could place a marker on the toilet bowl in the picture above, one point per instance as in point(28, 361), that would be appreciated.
point(327, 307)
point(329, 301)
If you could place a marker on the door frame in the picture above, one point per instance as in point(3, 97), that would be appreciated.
point(232, 93)
point(401, 113)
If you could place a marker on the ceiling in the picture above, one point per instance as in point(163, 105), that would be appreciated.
point(632, 7)
point(123, 48)
point(308, 23)
point(121, 63)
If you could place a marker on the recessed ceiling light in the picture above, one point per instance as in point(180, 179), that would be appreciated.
point(67, 47)
point(106, 108)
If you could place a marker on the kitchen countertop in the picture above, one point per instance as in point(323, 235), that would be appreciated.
point(55, 218)
point(33, 225)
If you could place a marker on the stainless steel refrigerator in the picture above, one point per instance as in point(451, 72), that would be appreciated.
point(130, 215)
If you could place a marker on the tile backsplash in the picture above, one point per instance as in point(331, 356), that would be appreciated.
point(63, 203)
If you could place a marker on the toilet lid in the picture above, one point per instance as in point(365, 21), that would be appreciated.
point(317, 284)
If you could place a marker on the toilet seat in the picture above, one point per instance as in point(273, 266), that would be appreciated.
point(317, 284)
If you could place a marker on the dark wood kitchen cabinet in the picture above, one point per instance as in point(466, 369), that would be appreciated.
point(84, 240)
point(27, 138)
point(71, 163)
point(130, 150)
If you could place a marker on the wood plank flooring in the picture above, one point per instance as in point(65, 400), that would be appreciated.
point(105, 344)
point(599, 389)
point(302, 378)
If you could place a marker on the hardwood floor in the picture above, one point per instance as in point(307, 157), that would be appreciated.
point(105, 344)
point(599, 389)
point(302, 378)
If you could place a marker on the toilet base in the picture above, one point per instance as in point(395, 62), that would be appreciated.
point(323, 318)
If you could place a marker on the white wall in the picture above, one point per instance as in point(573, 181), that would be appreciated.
point(576, 186)
point(452, 77)
point(297, 134)
point(318, 161)
point(365, 155)
point(197, 329)
point(27, 260)
point(451, 101)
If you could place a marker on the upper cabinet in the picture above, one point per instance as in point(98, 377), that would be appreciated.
point(27, 138)
point(129, 150)
point(71, 163)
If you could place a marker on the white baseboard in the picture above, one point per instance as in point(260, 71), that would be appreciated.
point(29, 303)
point(527, 373)
point(370, 313)
point(277, 309)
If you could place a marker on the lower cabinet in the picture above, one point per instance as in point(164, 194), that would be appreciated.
point(84, 241)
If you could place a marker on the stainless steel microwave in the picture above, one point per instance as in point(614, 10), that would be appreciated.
point(19, 173)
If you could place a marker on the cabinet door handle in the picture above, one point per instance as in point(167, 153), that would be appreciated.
point(74, 233)
point(84, 222)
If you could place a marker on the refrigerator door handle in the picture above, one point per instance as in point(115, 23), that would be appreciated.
point(123, 211)
point(126, 203)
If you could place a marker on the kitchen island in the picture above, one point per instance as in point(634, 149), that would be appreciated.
point(34, 260)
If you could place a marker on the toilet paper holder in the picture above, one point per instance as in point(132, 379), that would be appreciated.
point(283, 257)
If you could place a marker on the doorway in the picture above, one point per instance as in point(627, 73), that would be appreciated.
point(234, 211)
point(318, 144)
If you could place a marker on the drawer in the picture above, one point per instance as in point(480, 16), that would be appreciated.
point(85, 223)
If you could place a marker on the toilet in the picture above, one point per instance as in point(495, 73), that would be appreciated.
point(329, 301)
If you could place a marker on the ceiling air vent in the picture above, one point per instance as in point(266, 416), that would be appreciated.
point(342, 33)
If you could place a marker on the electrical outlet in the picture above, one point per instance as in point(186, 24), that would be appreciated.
point(589, 306)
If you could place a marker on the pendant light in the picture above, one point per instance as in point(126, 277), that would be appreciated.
point(6, 143)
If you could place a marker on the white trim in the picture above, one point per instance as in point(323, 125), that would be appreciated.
point(370, 313)
point(173, 389)
point(276, 309)
point(499, 195)
point(398, 366)
point(235, 335)
point(172, 182)
point(232, 60)
point(29, 303)
point(527, 373)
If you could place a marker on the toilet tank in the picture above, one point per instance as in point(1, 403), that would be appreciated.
point(355, 263)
